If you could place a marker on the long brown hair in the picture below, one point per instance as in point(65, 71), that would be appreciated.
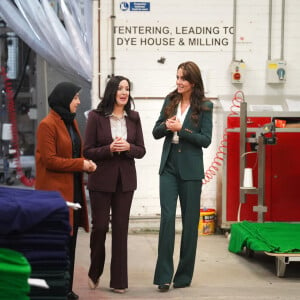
point(192, 74)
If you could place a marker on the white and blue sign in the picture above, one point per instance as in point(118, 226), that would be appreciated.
point(135, 6)
point(124, 6)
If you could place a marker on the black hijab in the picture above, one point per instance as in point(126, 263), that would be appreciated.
point(61, 97)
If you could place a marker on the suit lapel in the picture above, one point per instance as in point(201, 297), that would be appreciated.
point(129, 129)
point(106, 127)
point(187, 118)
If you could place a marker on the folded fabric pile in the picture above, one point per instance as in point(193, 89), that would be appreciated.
point(276, 237)
point(36, 224)
point(14, 273)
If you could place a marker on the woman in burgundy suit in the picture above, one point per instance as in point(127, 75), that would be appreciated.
point(113, 139)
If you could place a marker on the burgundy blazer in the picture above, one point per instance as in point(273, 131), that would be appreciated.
point(110, 165)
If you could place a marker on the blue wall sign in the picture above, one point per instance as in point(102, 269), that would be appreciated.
point(135, 6)
point(140, 6)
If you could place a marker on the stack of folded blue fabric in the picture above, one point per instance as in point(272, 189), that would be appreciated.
point(36, 224)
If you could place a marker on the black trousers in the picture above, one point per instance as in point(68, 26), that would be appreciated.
point(72, 247)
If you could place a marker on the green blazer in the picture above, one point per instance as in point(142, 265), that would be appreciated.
point(192, 138)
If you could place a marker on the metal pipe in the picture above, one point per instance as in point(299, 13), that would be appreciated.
point(261, 209)
point(282, 29)
point(234, 33)
point(113, 17)
point(270, 31)
point(99, 50)
point(243, 137)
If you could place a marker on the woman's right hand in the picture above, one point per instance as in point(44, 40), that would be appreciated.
point(173, 124)
point(119, 145)
point(89, 166)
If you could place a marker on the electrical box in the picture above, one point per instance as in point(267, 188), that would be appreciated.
point(238, 71)
point(276, 71)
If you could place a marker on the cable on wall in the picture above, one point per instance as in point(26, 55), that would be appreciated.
point(212, 170)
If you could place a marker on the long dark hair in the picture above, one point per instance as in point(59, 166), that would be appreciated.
point(106, 106)
point(192, 74)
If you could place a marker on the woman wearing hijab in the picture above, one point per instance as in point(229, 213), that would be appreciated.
point(59, 161)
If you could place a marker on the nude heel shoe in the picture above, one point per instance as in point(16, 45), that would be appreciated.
point(119, 291)
point(93, 285)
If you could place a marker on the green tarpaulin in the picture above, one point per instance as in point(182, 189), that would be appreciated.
point(277, 237)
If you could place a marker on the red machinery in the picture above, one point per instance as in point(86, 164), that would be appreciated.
point(275, 160)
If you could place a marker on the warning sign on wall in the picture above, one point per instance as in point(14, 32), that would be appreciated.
point(135, 6)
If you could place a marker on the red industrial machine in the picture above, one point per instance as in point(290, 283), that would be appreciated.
point(254, 141)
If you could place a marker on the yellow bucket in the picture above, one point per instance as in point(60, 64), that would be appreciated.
point(207, 221)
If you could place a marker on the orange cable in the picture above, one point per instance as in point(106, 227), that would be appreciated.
point(219, 157)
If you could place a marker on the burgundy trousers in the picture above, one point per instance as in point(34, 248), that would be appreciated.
point(115, 208)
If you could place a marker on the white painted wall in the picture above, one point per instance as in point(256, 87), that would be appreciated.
point(154, 80)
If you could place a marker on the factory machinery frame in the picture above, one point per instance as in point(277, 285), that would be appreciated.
point(18, 101)
point(260, 140)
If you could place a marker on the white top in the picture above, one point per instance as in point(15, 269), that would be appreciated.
point(118, 126)
point(179, 116)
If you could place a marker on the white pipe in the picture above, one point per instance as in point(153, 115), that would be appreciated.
point(96, 54)
point(270, 31)
point(282, 29)
point(234, 33)
point(113, 17)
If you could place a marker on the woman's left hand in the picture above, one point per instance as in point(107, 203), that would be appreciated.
point(173, 124)
point(121, 145)
point(89, 166)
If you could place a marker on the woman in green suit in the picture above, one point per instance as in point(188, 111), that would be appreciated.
point(185, 122)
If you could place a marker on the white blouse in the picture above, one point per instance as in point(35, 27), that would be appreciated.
point(118, 126)
point(181, 117)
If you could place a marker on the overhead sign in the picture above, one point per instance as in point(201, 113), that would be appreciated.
point(187, 37)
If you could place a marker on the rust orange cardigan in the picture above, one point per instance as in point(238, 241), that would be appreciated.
point(54, 162)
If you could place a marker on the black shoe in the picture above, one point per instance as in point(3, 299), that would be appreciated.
point(72, 296)
point(178, 286)
point(163, 287)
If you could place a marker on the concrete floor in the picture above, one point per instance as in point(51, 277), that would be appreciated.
point(219, 274)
